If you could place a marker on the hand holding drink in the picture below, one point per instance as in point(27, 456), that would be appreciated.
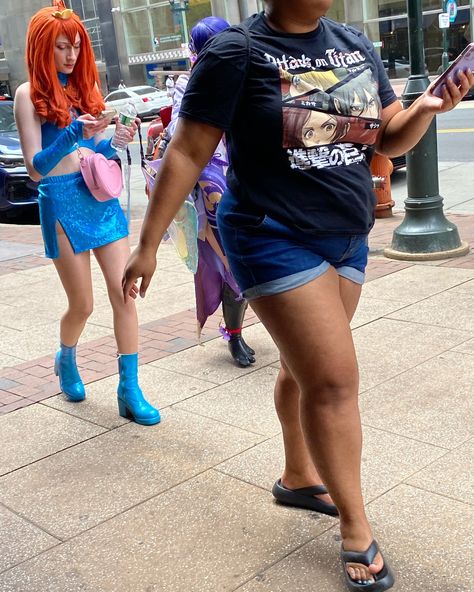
point(124, 127)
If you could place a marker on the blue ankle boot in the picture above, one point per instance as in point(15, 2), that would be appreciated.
point(131, 402)
point(69, 379)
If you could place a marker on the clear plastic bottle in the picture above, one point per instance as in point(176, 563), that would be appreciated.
point(125, 119)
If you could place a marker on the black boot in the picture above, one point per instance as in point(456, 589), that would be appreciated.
point(234, 312)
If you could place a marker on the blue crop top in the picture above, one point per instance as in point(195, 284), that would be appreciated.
point(50, 131)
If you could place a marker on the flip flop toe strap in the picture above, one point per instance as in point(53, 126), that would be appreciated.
point(363, 558)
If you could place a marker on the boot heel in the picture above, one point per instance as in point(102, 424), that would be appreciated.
point(123, 410)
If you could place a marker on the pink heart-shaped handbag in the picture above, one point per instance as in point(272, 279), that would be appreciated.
point(103, 177)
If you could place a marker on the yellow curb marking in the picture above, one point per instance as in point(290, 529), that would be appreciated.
point(466, 130)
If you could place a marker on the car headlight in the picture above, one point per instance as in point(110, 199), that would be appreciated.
point(10, 161)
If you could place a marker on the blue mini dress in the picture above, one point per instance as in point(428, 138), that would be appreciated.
point(66, 200)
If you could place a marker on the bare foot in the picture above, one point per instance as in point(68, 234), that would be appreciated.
point(360, 573)
point(299, 481)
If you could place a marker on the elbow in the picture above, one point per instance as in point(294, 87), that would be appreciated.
point(33, 173)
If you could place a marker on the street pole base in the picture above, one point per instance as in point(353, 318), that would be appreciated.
point(401, 256)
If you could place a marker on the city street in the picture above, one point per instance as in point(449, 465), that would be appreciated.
point(91, 502)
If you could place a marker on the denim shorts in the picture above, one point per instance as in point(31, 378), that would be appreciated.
point(268, 257)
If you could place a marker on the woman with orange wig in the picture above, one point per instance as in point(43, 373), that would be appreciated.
point(57, 111)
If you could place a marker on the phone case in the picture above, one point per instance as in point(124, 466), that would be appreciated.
point(464, 61)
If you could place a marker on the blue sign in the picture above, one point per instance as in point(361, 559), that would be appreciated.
point(452, 10)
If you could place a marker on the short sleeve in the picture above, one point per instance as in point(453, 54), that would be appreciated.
point(217, 79)
point(386, 93)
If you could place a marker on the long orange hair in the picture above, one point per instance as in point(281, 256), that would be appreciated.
point(50, 99)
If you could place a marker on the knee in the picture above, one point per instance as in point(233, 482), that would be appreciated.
point(332, 392)
point(82, 310)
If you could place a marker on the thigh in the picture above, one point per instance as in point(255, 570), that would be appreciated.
point(350, 295)
point(112, 259)
point(74, 272)
point(310, 326)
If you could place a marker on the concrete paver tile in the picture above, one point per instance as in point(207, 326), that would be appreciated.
point(161, 388)
point(44, 340)
point(427, 548)
point(387, 459)
point(78, 488)
point(246, 402)
point(213, 362)
point(6, 360)
point(371, 309)
point(210, 533)
point(415, 283)
point(450, 476)
point(449, 309)
point(20, 540)
point(431, 403)
point(36, 432)
point(387, 347)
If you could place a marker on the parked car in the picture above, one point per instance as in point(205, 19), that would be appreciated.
point(18, 193)
point(147, 100)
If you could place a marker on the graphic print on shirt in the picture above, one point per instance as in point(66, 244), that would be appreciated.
point(331, 117)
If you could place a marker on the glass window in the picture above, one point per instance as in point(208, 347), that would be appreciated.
point(337, 11)
point(384, 8)
point(198, 9)
point(391, 38)
point(145, 90)
point(118, 96)
point(166, 28)
point(89, 9)
point(137, 32)
point(436, 4)
point(127, 4)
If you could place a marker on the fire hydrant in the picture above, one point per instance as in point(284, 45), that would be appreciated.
point(381, 168)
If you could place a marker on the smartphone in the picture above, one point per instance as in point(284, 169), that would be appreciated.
point(464, 61)
point(108, 114)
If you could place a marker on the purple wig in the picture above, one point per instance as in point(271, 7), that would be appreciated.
point(204, 30)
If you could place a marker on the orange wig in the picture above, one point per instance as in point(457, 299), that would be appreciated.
point(50, 99)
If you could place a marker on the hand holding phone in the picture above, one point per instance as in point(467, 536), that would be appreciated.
point(107, 114)
point(462, 63)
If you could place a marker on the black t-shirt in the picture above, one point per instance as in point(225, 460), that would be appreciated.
point(301, 112)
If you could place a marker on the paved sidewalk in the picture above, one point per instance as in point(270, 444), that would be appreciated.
point(91, 502)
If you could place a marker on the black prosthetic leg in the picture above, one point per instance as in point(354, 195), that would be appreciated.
point(234, 311)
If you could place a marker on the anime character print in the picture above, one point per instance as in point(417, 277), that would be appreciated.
point(334, 114)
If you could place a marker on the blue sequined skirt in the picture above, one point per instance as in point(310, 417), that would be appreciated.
point(88, 223)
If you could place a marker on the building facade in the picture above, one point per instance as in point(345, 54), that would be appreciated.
point(135, 39)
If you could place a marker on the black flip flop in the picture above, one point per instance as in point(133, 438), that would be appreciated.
point(304, 498)
point(383, 580)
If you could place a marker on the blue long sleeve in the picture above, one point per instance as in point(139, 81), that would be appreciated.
point(105, 148)
point(49, 157)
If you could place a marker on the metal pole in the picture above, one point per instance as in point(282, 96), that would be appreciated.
point(425, 233)
point(445, 56)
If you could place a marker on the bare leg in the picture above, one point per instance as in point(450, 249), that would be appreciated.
point(112, 259)
point(311, 328)
point(300, 471)
point(75, 275)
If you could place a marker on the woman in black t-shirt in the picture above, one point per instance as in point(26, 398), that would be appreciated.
point(294, 225)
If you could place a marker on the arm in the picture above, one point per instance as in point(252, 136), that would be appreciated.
point(191, 148)
point(29, 128)
point(402, 129)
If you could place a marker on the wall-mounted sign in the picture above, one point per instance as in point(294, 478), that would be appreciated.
point(444, 20)
point(452, 10)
